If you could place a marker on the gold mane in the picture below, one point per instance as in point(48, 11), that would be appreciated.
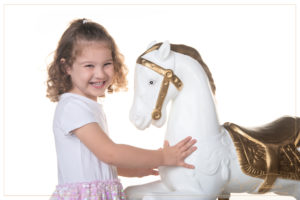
point(190, 51)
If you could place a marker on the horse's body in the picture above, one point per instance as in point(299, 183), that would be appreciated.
point(217, 171)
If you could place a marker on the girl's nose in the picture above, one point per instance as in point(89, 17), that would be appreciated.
point(99, 72)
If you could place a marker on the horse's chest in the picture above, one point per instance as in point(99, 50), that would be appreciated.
point(177, 178)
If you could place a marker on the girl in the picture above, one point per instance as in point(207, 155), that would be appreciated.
point(86, 64)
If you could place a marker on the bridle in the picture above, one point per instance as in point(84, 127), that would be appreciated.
point(169, 76)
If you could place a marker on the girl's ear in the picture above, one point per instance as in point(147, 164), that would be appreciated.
point(66, 67)
point(164, 50)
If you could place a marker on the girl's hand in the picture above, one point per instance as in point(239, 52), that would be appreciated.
point(138, 172)
point(175, 155)
point(145, 172)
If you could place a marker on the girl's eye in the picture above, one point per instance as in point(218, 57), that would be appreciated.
point(89, 66)
point(108, 64)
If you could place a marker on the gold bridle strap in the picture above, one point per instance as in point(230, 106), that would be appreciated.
point(169, 76)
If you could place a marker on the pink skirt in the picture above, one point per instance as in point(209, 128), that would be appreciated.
point(97, 190)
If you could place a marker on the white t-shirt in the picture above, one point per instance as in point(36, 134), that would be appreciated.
point(76, 163)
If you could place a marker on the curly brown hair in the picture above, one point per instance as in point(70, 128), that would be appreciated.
point(59, 81)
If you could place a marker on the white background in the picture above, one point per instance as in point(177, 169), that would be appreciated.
point(250, 49)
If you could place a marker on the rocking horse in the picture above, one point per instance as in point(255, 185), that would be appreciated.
point(230, 158)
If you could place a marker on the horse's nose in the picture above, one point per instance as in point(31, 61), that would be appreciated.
point(135, 118)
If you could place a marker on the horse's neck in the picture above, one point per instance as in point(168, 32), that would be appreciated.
point(193, 112)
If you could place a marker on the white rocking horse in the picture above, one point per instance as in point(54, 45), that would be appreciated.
point(230, 158)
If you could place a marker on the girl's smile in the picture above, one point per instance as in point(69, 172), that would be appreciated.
point(98, 85)
point(93, 69)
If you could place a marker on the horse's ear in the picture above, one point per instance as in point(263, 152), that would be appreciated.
point(151, 44)
point(164, 50)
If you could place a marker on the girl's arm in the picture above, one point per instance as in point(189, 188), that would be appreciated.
point(126, 156)
point(136, 172)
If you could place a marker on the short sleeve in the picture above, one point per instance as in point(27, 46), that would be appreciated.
point(75, 114)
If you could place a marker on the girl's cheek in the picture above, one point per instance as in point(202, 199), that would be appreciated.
point(113, 75)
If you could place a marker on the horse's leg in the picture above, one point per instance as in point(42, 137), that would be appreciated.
point(297, 195)
point(139, 191)
point(224, 197)
point(297, 191)
point(158, 191)
point(178, 196)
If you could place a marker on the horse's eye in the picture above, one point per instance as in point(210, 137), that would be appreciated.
point(151, 82)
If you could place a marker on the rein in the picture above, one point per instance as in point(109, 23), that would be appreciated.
point(169, 76)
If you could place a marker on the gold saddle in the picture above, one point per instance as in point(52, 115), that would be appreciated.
point(270, 151)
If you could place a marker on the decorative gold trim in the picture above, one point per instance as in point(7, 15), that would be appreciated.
point(268, 152)
point(169, 76)
point(188, 51)
point(156, 114)
point(297, 141)
point(168, 73)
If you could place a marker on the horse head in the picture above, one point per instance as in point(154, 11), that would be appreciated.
point(154, 72)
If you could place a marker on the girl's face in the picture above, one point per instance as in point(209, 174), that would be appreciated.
point(92, 70)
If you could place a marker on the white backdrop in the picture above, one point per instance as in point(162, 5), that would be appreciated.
point(250, 50)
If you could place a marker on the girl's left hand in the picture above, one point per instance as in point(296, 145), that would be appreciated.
point(145, 172)
point(175, 155)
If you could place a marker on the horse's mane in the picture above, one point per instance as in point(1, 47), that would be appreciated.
point(189, 51)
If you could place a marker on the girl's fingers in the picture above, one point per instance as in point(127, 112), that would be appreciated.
point(183, 142)
point(181, 150)
point(186, 154)
point(188, 166)
point(154, 172)
point(166, 144)
point(188, 145)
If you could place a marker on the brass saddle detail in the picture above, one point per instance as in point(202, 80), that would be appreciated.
point(268, 152)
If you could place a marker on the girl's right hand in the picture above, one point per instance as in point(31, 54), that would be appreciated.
point(175, 155)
